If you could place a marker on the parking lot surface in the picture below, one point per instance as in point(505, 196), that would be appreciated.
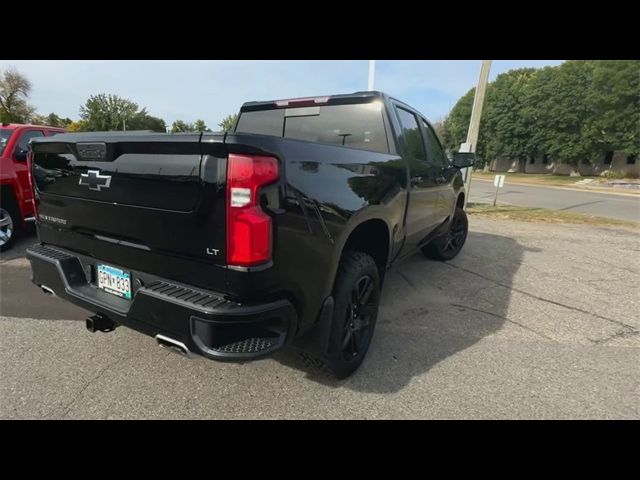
point(529, 321)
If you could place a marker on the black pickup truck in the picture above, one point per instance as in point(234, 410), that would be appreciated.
point(233, 245)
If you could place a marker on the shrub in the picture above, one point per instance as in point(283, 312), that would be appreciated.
point(619, 175)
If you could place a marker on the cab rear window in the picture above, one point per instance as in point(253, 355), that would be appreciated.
point(355, 125)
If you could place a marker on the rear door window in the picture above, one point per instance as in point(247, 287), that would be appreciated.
point(435, 152)
point(414, 146)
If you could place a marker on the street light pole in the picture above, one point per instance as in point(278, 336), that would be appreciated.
point(372, 74)
point(474, 123)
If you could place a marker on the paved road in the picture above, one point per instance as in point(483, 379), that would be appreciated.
point(530, 321)
point(622, 207)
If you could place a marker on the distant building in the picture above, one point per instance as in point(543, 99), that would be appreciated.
point(615, 161)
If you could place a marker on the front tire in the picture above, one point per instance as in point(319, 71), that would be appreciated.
point(448, 246)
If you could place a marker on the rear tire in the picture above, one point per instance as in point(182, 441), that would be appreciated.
point(9, 222)
point(449, 245)
point(356, 295)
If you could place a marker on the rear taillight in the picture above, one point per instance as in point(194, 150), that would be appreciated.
point(249, 229)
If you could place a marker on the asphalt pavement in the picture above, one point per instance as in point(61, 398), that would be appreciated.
point(622, 206)
point(529, 321)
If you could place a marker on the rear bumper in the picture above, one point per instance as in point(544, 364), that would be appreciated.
point(204, 321)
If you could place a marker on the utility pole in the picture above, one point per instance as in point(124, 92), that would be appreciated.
point(474, 123)
point(372, 74)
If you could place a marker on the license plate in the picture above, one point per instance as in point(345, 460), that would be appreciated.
point(115, 281)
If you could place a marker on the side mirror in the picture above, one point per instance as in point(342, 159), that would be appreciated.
point(464, 159)
point(20, 155)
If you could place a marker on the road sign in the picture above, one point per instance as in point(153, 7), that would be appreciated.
point(498, 182)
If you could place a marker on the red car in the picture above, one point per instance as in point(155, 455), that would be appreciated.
point(16, 200)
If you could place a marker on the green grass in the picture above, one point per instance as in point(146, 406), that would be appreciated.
point(543, 215)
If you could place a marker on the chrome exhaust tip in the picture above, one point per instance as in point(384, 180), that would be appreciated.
point(47, 290)
point(173, 345)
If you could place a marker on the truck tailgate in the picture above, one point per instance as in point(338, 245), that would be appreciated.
point(151, 201)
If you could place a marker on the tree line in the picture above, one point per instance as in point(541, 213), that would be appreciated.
point(101, 112)
point(575, 112)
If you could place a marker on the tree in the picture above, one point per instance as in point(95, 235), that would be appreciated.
point(37, 119)
point(456, 124)
point(109, 112)
point(144, 121)
point(181, 126)
point(79, 126)
point(573, 112)
point(559, 112)
point(14, 91)
point(506, 128)
point(615, 100)
point(200, 126)
point(228, 122)
point(51, 120)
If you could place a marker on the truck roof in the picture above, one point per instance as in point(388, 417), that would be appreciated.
point(355, 97)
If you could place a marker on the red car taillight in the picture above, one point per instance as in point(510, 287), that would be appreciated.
point(249, 231)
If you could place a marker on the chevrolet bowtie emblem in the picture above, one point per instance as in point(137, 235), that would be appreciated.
point(94, 180)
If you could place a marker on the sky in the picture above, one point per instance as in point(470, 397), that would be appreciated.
point(211, 89)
